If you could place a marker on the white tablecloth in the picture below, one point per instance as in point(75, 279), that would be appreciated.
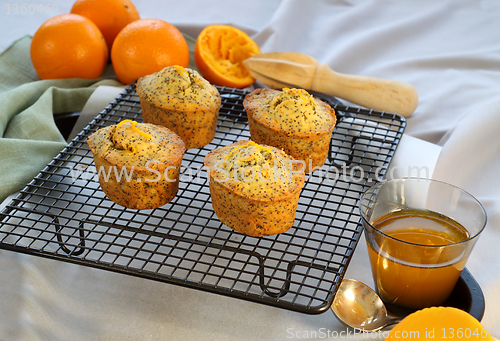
point(449, 50)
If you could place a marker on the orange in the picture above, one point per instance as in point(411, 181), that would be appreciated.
point(68, 46)
point(111, 16)
point(146, 46)
point(219, 53)
point(439, 323)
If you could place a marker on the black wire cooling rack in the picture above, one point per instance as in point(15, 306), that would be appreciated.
point(62, 214)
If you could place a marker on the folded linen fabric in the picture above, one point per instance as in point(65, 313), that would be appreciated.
point(29, 137)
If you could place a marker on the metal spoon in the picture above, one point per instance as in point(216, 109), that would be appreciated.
point(358, 306)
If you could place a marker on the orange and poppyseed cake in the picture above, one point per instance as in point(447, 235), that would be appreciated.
point(181, 100)
point(254, 188)
point(138, 163)
point(293, 120)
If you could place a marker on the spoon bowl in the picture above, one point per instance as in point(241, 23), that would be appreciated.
point(358, 306)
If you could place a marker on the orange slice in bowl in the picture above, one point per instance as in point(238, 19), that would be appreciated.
point(219, 54)
point(439, 323)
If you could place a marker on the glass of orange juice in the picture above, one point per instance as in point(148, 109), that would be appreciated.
point(419, 233)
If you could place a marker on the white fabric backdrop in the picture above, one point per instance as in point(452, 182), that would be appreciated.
point(448, 49)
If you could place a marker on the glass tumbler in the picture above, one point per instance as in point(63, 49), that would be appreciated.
point(419, 234)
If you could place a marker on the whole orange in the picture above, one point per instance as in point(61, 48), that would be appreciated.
point(146, 46)
point(219, 53)
point(68, 46)
point(111, 16)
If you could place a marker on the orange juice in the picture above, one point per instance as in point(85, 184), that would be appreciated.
point(419, 263)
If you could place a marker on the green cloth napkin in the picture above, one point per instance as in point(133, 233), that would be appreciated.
point(29, 136)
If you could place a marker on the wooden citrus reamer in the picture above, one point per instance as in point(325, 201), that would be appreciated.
point(291, 69)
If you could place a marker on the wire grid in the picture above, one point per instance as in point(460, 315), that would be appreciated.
point(62, 214)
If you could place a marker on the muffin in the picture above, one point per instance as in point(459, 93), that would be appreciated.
point(183, 101)
point(292, 120)
point(138, 163)
point(254, 188)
